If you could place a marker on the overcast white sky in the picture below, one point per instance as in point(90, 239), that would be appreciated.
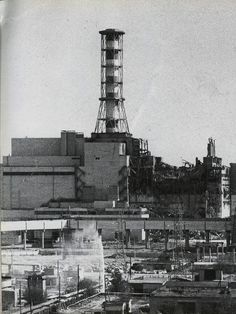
point(179, 71)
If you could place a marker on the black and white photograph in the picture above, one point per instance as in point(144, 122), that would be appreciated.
point(118, 156)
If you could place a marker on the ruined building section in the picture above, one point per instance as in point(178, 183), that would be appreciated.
point(217, 184)
point(200, 190)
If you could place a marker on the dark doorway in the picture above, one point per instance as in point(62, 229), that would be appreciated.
point(210, 274)
point(187, 307)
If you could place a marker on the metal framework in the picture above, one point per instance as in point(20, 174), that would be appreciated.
point(111, 114)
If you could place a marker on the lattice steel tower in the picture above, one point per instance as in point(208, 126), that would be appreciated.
point(111, 115)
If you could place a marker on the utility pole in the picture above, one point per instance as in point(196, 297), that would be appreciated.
point(78, 281)
point(130, 272)
point(20, 297)
point(134, 247)
point(59, 288)
point(105, 288)
point(99, 276)
point(59, 280)
point(29, 295)
point(1, 192)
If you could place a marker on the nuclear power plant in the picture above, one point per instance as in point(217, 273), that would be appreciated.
point(63, 197)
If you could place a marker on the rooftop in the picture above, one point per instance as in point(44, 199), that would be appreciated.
point(193, 289)
point(196, 284)
point(111, 31)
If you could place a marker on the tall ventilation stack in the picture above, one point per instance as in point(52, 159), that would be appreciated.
point(111, 115)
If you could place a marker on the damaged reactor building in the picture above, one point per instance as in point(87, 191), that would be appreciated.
point(111, 168)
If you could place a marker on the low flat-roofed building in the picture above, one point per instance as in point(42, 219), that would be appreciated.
point(146, 284)
point(193, 297)
point(207, 271)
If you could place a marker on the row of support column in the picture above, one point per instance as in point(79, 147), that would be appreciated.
point(147, 238)
point(166, 238)
point(42, 238)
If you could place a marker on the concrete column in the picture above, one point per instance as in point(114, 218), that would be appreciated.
point(203, 251)
point(100, 232)
point(198, 309)
point(19, 236)
point(186, 235)
point(228, 238)
point(201, 275)
point(222, 248)
point(198, 253)
point(43, 238)
point(147, 239)
point(234, 255)
point(217, 251)
point(25, 238)
point(209, 254)
point(179, 308)
point(207, 236)
point(127, 238)
point(61, 236)
point(166, 239)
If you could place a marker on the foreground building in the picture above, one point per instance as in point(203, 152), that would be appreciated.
point(193, 297)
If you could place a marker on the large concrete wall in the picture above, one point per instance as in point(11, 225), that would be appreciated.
point(103, 169)
point(38, 161)
point(70, 143)
point(39, 170)
point(36, 147)
point(17, 214)
point(29, 187)
point(70, 167)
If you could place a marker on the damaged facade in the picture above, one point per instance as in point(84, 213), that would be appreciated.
point(200, 190)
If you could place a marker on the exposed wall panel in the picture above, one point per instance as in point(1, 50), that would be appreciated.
point(36, 146)
point(36, 161)
point(64, 186)
point(102, 165)
point(27, 191)
point(233, 178)
point(6, 192)
point(31, 191)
